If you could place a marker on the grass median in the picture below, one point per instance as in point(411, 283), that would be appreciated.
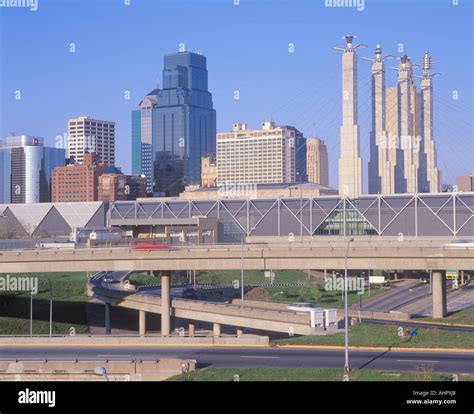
point(463, 317)
point(424, 373)
point(366, 334)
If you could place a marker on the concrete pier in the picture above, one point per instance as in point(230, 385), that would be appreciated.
point(439, 295)
point(165, 304)
point(216, 329)
point(108, 326)
point(142, 322)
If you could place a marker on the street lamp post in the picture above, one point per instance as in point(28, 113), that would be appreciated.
point(31, 313)
point(360, 295)
point(301, 205)
point(347, 367)
point(50, 308)
point(242, 272)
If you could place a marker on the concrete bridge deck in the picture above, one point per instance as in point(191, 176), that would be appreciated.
point(306, 255)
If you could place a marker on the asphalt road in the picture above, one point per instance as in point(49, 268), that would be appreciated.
point(459, 299)
point(397, 296)
point(235, 357)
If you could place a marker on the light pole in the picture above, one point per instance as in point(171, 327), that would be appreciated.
point(301, 206)
point(242, 271)
point(360, 295)
point(50, 308)
point(347, 367)
point(189, 270)
point(31, 313)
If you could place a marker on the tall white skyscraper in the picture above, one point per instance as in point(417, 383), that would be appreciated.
point(86, 135)
point(350, 161)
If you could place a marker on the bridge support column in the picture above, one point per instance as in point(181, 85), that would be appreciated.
point(439, 295)
point(462, 277)
point(108, 327)
point(191, 330)
point(165, 304)
point(142, 322)
point(240, 333)
point(216, 329)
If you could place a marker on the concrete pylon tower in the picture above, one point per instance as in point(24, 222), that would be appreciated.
point(433, 174)
point(406, 137)
point(350, 161)
point(379, 165)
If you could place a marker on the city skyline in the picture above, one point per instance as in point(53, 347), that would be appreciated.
point(314, 111)
point(273, 191)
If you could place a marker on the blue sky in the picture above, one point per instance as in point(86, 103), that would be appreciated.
point(120, 48)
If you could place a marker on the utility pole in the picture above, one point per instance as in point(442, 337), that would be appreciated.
point(347, 367)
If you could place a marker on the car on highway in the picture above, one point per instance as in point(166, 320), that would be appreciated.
point(108, 279)
point(151, 246)
point(189, 293)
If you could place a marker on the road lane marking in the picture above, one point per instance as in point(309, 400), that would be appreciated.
point(415, 360)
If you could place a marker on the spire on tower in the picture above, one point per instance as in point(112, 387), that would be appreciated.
point(349, 44)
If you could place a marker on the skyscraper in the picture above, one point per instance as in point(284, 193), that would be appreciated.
point(317, 161)
point(86, 135)
point(271, 155)
point(26, 169)
point(175, 126)
point(350, 161)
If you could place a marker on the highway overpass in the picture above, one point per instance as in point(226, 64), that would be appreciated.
point(373, 254)
point(275, 320)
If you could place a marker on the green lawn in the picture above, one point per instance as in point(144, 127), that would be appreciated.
point(366, 334)
point(251, 277)
point(314, 292)
point(141, 279)
point(313, 289)
point(69, 301)
point(312, 374)
point(465, 317)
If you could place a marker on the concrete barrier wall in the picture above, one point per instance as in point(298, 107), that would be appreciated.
point(134, 340)
point(85, 370)
point(385, 316)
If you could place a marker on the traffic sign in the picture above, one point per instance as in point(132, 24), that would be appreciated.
point(452, 273)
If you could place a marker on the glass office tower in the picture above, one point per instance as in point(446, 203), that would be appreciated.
point(175, 126)
point(26, 167)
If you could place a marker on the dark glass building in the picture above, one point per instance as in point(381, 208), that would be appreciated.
point(174, 126)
